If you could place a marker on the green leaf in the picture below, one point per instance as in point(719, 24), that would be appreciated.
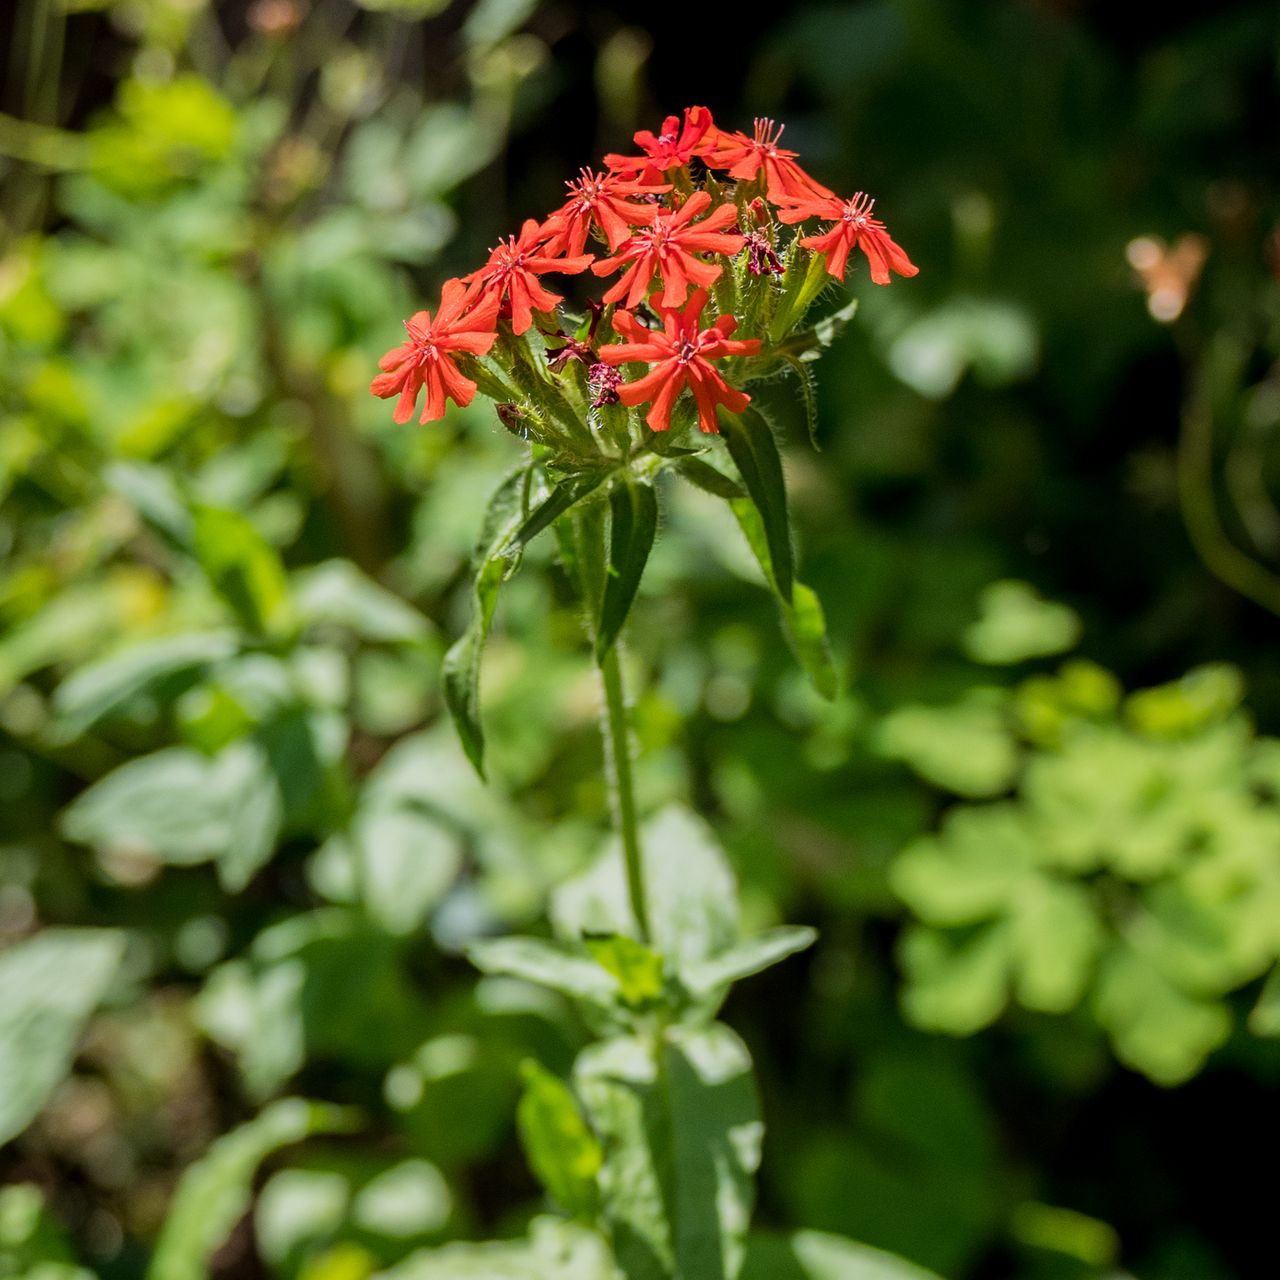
point(151, 492)
point(105, 687)
point(49, 985)
point(547, 964)
point(566, 494)
point(1016, 624)
point(460, 672)
point(1264, 1020)
point(216, 1191)
point(633, 522)
point(709, 479)
point(806, 631)
point(336, 593)
point(690, 891)
point(967, 748)
point(295, 1206)
point(823, 1256)
point(1156, 1028)
point(411, 1198)
point(637, 969)
point(803, 623)
point(408, 863)
point(746, 958)
point(755, 453)
point(562, 1150)
point(682, 1144)
point(553, 1250)
point(244, 569)
point(803, 282)
point(956, 989)
point(178, 806)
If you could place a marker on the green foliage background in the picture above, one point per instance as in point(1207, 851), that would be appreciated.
point(1034, 1038)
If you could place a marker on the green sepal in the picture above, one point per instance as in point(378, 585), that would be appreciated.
point(799, 291)
point(563, 1153)
point(755, 453)
point(633, 523)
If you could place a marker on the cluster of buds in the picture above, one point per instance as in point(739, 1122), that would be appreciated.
point(681, 240)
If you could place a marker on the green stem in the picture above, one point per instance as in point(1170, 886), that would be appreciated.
point(618, 751)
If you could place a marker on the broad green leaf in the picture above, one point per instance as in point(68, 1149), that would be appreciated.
point(823, 1256)
point(633, 522)
point(1156, 1028)
point(690, 889)
point(244, 568)
point(1055, 936)
point(257, 1016)
point(1264, 1020)
point(709, 479)
point(407, 864)
point(178, 806)
point(755, 453)
point(106, 686)
point(746, 958)
point(553, 1250)
point(545, 963)
point(966, 748)
point(411, 1198)
point(337, 594)
point(1016, 624)
point(296, 1206)
point(637, 969)
point(49, 985)
point(562, 1150)
point(216, 1191)
point(460, 673)
point(682, 1143)
point(956, 989)
point(1184, 707)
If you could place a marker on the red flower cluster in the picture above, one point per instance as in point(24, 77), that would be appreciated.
point(655, 234)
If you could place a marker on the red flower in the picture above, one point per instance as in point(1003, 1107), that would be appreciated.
point(673, 147)
point(854, 226)
point(667, 248)
point(680, 354)
point(744, 157)
point(513, 269)
point(599, 197)
point(425, 359)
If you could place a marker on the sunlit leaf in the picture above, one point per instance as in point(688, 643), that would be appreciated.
point(562, 1150)
point(755, 454)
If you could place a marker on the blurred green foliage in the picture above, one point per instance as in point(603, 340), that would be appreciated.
point(229, 582)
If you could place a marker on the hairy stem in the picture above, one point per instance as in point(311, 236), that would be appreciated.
point(618, 756)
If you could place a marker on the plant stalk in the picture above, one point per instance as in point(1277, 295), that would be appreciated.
point(618, 753)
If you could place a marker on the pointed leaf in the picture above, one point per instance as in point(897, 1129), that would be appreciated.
point(547, 964)
point(565, 495)
point(562, 1150)
point(709, 479)
point(823, 1256)
point(106, 686)
point(49, 985)
point(216, 1191)
point(460, 672)
point(747, 958)
point(755, 453)
point(633, 511)
point(243, 567)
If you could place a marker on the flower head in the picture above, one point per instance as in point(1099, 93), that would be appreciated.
point(680, 353)
point(512, 273)
point(854, 226)
point(744, 157)
point(600, 198)
point(673, 147)
point(667, 248)
point(425, 360)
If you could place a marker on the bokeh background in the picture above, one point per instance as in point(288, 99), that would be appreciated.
point(215, 217)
